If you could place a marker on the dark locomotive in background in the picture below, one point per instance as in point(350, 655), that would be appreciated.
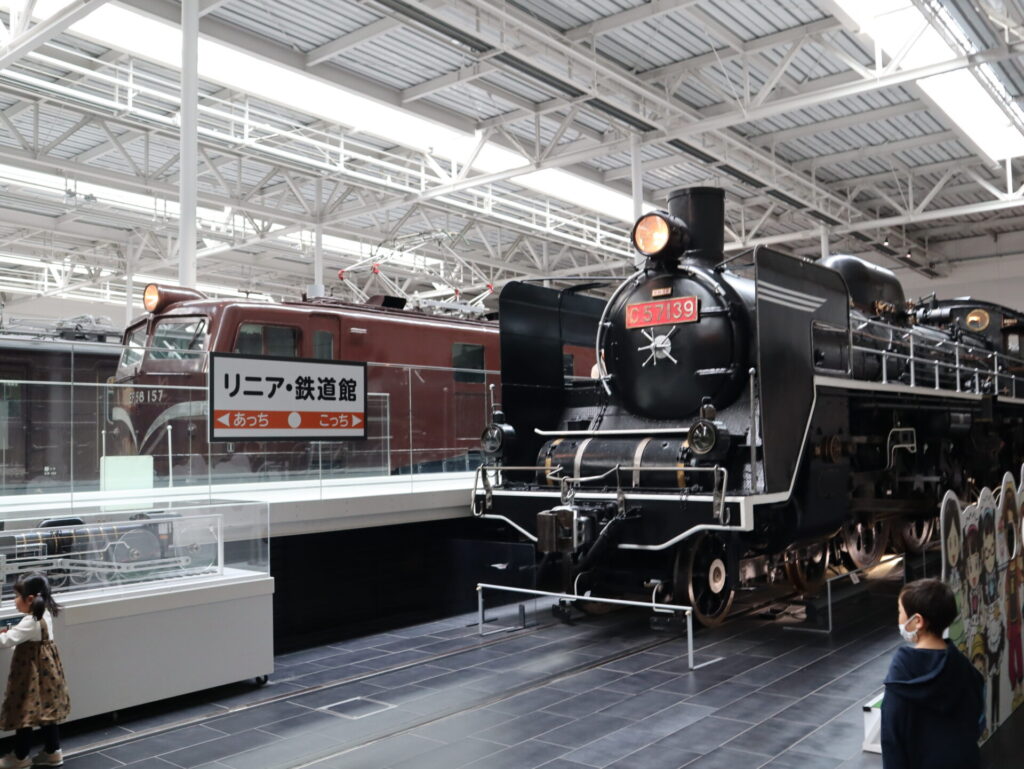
point(739, 426)
point(52, 404)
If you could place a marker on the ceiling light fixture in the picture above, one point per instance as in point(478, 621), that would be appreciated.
point(149, 38)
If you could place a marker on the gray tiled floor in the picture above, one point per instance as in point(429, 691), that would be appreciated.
point(604, 693)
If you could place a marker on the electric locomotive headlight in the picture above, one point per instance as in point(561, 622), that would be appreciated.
point(497, 436)
point(157, 298)
point(151, 297)
point(659, 235)
point(703, 437)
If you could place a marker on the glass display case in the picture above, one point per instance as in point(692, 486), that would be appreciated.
point(135, 581)
point(96, 548)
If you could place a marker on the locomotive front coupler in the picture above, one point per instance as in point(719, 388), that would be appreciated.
point(574, 529)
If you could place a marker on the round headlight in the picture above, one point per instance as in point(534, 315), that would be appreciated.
point(151, 297)
point(651, 234)
point(660, 235)
point(703, 437)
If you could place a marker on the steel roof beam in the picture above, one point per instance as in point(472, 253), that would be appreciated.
point(374, 29)
point(46, 30)
point(838, 123)
point(758, 45)
point(912, 171)
point(861, 85)
point(932, 215)
point(876, 151)
point(209, 6)
point(646, 12)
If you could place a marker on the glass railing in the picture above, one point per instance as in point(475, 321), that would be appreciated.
point(108, 546)
point(71, 423)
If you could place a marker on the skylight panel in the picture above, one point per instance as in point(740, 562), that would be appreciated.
point(904, 33)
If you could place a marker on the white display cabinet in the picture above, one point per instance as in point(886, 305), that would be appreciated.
point(159, 600)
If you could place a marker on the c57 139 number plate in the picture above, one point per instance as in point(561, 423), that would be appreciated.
point(681, 309)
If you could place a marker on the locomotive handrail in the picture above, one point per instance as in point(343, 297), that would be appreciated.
point(952, 366)
point(579, 478)
point(576, 479)
point(601, 369)
point(907, 331)
point(717, 493)
point(636, 431)
point(948, 355)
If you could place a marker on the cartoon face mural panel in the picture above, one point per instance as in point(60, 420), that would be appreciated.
point(983, 563)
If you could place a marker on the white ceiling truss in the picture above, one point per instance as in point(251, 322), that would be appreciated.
point(811, 131)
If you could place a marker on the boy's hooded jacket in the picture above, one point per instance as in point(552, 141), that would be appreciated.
point(932, 712)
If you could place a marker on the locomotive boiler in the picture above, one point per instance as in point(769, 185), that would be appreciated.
point(738, 426)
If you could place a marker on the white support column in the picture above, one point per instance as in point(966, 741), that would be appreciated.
point(189, 158)
point(132, 254)
point(317, 287)
point(637, 176)
point(824, 241)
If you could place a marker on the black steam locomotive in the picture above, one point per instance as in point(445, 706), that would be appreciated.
point(741, 426)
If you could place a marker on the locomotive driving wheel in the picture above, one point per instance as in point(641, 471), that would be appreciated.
point(864, 543)
point(701, 567)
point(807, 566)
point(913, 536)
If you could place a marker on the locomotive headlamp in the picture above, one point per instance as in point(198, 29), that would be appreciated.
point(157, 298)
point(659, 234)
point(497, 436)
point(151, 297)
point(703, 437)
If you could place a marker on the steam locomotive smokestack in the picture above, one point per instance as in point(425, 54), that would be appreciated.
point(703, 210)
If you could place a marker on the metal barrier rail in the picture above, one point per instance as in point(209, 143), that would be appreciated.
point(663, 608)
point(828, 588)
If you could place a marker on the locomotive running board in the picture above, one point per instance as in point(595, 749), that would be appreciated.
point(860, 384)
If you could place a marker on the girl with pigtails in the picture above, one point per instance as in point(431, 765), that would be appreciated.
point(37, 693)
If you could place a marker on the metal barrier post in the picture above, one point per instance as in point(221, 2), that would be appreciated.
point(828, 594)
point(689, 638)
point(828, 588)
point(913, 382)
point(170, 460)
point(480, 608)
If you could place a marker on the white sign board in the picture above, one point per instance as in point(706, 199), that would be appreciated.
point(279, 399)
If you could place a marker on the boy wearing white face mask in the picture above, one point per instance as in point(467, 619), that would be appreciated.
point(933, 707)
